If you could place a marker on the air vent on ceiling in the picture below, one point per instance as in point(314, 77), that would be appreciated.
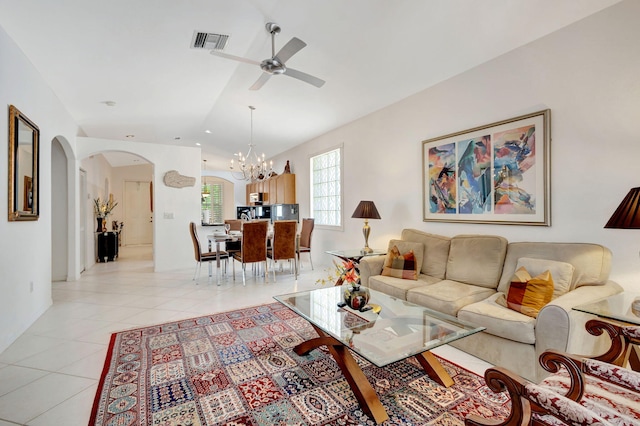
point(209, 41)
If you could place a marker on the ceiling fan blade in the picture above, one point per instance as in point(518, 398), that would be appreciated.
point(288, 50)
point(261, 81)
point(235, 58)
point(304, 77)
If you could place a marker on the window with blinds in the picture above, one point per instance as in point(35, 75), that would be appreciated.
point(326, 188)
point(211, 203)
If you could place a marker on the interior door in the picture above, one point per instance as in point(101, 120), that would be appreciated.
point(138, 222)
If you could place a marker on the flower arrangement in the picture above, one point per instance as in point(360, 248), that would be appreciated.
point(103, 208)
point(346, 271)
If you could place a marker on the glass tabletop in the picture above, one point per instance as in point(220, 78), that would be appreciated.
point(355, 254)
point(623, 307)
point(400, 330)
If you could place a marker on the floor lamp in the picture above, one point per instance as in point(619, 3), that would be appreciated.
point(366, 210)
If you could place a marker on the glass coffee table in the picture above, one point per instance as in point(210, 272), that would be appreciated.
point(400, 330)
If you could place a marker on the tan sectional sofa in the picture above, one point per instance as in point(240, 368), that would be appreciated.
point(466, 275)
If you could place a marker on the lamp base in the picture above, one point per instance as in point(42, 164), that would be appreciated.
point(366, 250)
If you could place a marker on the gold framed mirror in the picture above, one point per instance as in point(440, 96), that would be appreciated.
point(24, 142)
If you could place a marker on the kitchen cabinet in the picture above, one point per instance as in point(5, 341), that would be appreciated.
point(280, 189)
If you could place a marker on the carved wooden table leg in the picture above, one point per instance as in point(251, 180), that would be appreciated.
point(434, 369)
point(634, 358)
point(362, 389)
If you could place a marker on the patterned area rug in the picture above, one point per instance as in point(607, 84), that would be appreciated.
point(239, 368)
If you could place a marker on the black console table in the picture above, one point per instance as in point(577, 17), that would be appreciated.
point(107, 246)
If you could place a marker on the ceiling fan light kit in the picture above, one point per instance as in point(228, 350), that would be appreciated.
point(276, 64)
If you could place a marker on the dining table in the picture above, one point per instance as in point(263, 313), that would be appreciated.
point(218, 239)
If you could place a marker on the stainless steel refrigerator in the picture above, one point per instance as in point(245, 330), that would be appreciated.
point(284, 212)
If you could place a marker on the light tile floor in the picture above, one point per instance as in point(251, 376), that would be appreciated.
point(50, 374)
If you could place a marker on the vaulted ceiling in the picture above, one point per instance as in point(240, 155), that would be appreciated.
point(126, 68)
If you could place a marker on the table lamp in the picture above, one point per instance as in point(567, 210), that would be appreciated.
point(366, 210)
point(627, 215)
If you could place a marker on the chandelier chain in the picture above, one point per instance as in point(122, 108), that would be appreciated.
point(251, 168)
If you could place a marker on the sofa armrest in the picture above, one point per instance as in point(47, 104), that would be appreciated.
point(553, 325)
point(370, 266)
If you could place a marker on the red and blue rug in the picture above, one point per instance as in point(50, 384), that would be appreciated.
point(239, 368)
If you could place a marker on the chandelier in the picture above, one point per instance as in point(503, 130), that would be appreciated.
point(250, 167)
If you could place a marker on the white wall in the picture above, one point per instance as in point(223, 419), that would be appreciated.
point(25, 247)
point(587, 74)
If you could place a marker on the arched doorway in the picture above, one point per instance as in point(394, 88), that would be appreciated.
point(122, 180)
point(63, 219)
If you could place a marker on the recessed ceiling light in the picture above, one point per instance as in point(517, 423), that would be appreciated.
point(207, 131)
point(109, 103)
point(177, 138)
point(131, 136)
point(197, 143)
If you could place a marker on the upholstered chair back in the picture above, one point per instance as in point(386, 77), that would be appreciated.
point(196, 241)
point(254, 242)
point(306, 231)
point(284, 239)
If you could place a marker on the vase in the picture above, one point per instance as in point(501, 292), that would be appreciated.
point(355, 296)
point(99, 228)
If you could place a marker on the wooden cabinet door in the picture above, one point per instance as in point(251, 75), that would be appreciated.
point(273, 189)
point(286, 189)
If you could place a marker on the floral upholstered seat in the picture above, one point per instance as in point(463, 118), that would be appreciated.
point(581, 391)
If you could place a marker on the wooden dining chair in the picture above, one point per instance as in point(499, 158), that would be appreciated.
point(284, 244)
point(304, 246)
point(253, 248)
point(203, 257)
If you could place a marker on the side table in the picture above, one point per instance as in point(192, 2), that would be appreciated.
point(354, 254)
point(623, 308)
point(107, 246)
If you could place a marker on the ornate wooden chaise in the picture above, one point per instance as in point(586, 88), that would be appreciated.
point(580, 391)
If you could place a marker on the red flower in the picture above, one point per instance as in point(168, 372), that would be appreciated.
point(351, 276)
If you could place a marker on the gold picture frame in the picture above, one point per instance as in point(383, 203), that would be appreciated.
point(498, 173)
point(24, 164)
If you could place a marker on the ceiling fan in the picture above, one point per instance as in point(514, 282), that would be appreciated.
point(276, 64)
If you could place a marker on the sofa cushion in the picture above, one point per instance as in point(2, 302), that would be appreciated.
point(436, 251)
point(527, 294)
point(562, 272)
point(592, 262)
point(397, 287)
point(447, 296)
point(396, 260)
point(500, 321)
point(476, 259)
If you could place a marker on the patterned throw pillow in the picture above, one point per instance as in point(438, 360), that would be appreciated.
point(400, 265)
point(528, 295)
